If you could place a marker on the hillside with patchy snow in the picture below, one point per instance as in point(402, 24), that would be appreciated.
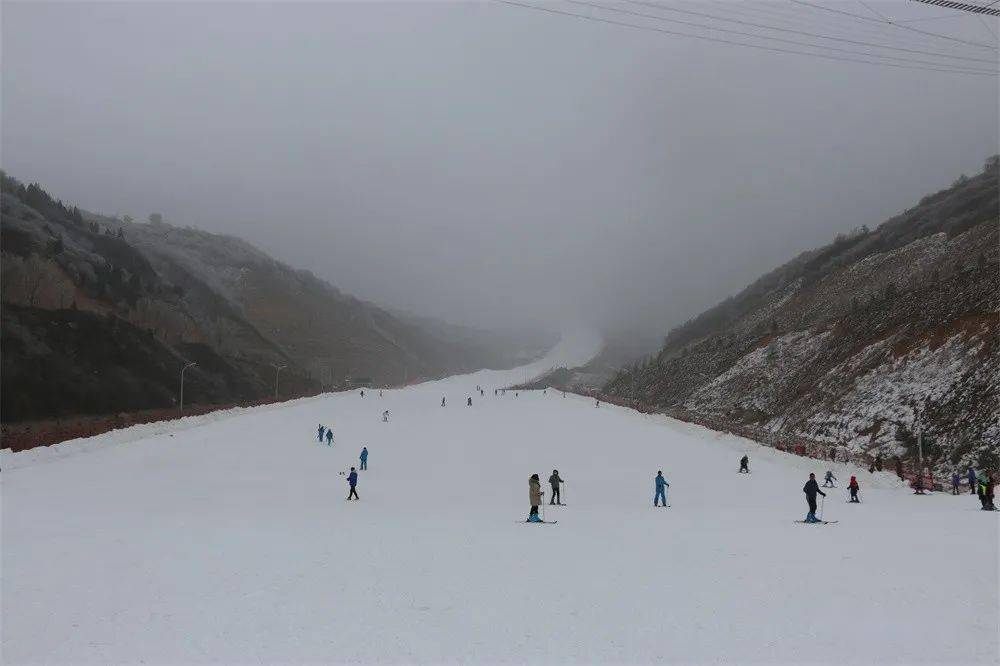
point(856, 345)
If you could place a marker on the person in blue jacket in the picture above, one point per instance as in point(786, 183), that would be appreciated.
point(329, 436)
point(352, 479)
point(364, 457)
point(661, 489)
point(319, 433)
point(972, 481)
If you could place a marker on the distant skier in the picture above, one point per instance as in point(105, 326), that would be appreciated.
point(468, 402)
point(385, 416)
point(918, 483)
point(534, 498)
point(319, 433)
point(495, 392)
point(352, 479)
point(661, 489)
point(364, 457)
point(362, 393)
point(442, 401)
point(597, 403)
point(972, 481)
point(828, 481)
point(985, 490)
point(554, 481)
point(329, 437)
point(380, 393)
point(956, 481)
point(810, 489)
point(745, 465)
point(854, 488)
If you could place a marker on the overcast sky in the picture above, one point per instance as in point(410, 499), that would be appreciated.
point(487, 163)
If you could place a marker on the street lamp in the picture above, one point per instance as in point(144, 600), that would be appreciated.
point(182, 383)
point(277, 369)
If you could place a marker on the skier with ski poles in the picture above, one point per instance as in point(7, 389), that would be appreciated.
point(811, 489)
point(319, 433)
point(745, 465)
point(972, 481)
point(535, 498)
point(828, 481)
point(352, 479)
point(364, 457)
point(661, 489)
point(956, 481)
point(854, 488)
point(554, 481)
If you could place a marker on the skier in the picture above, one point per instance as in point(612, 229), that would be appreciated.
point(385, 416)
point(380, 393)
point(661, 489)
point(972, 481)
point(319, 433)
point(854, 488)
point(495, 393)
point(918, 483)
point(362, 393)
point(364, 457)
point(442, 401)
point(828, 481)
point(956, 481)
point(352, 479)
point(597, 403)
point(468, 402)
point(554, 481)
point(810, 489)
point(329, 437)
point(535, 498)
point(745, 465)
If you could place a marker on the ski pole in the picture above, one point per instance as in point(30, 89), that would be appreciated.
point(822, 505)
point(543, 507)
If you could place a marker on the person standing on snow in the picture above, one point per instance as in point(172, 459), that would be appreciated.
point(854, 488)
point(362, 393)
point(661, 489)
point(364, 457)
point(745, 465)
point(329, 437)
point(468, 403)
point(442, 401)
point(828, 481)
point(319, 433)
point(352, 479)
point(972, 481)
point(810, 489)
point(554, 481)
point(535, 498)
point(956, 481)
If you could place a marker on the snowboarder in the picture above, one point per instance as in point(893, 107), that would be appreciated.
point(828, 481)
point(319, 433)
point(956, 481)
point(364, 457)
point(745, 465)
point(554, 481)
point(352, 479)
point(972, 481)
point(661, 489)
point(442, 401)
point(468, 402)
point(329, 437)
point(854, 488)
point(810, 489)
point(534, 498)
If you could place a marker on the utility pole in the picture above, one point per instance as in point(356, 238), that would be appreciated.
point(277, 369)
point(182, 383)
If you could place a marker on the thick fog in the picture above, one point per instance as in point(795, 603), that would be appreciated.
point(488, 163)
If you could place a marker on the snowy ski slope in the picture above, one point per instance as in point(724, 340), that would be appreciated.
point(228, 539)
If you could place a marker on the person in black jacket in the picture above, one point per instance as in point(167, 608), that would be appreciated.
point(745, 465)
point(810, 489)
point(554, 481)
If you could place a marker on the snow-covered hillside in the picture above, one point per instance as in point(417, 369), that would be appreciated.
point(229, 539)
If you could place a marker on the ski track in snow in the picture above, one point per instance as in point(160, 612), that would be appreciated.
point(227, 538)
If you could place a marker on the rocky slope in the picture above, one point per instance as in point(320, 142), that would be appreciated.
point(99, 315)
point(858, 344)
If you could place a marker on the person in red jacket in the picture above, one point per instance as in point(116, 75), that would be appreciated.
point(854, 488)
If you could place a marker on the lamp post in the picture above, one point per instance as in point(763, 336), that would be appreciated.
point(277, 369)
point(182, 383)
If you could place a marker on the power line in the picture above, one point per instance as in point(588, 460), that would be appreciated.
point(774, 49)
point(794, 32)
point(898, 25)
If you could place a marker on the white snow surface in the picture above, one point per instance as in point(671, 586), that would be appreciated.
point(227, 538)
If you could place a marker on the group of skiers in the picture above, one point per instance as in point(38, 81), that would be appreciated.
point(322, 431)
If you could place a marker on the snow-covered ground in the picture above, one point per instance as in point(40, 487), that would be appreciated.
point(228, 539)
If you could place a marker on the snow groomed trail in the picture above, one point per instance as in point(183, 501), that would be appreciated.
point(230, 540)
